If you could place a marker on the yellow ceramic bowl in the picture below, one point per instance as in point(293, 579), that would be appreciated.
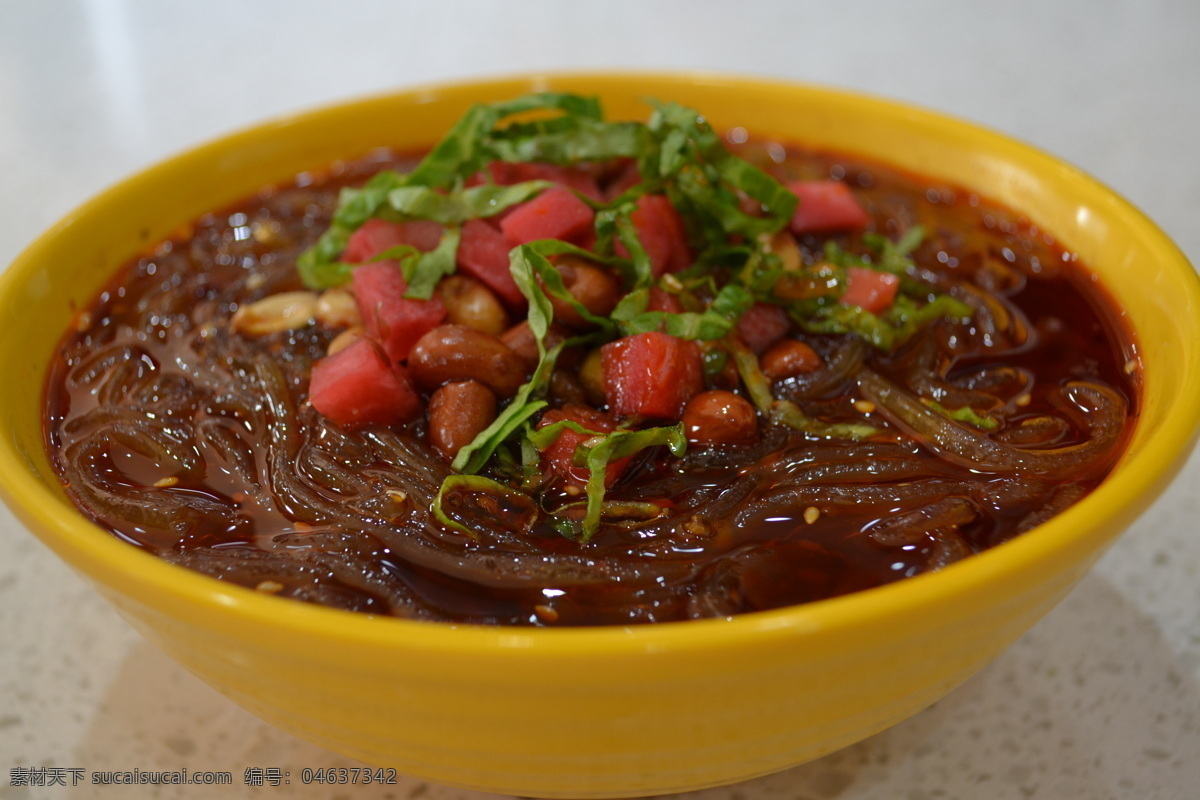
point(610, 711)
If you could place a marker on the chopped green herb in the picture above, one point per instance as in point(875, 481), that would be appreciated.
point(713, 323)
point(423, 271)
point(544, 437)
point(886, 331)
point(731, 210)
point(481, 496)
point(455, 208)
point(966, 414)
point(614, 446)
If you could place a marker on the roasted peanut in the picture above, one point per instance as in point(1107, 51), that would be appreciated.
point(783, 245)
point(720, 417)
point(565, 388)
point(591, 377)
point(344, 339)
point(458, 412)
point(521, 341)
point(458, 352)
point(519, 338)
point(593, 286)
point(469, 302)
point(278, 312)
point(789, 358)
point(336, 308)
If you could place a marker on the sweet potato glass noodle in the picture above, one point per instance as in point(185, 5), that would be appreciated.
point(200, 444)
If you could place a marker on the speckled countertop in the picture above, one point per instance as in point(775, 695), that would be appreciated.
point(1100, 700)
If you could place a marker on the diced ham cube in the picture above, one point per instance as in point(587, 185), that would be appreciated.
point(559, 457)
point(483, 254)
point(556, 213)
point(392, 320)
point(651, 374)
point(357, 386)
point(661, 300)
point(826, 206)
point(375, 236)
point(662, 234)
point(869, 289)
point(761, 326)
point(506, 173)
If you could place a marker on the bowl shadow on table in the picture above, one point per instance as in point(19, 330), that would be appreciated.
point(1034, 718)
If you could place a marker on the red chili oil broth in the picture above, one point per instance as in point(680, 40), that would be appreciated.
point(775, 556)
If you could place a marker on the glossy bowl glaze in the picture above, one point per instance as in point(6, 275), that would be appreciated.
point(610, 711)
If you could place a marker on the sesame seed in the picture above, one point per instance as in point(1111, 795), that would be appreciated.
point(270, 587)
point(812, 514)
point(167, 482)
point(864, 406)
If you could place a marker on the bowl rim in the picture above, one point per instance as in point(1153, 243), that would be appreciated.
point(102, 556)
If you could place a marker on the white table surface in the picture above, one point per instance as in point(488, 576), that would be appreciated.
point(1100, 700)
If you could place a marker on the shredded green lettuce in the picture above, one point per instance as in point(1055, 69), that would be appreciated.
point(966, 415)
point(532, 259)
point(356, 206)
point(715, 322)
point(473, 141)
point(455, 208)
point(703, 178)
point(615, 446)
point(813, 294)
point(783, 411)
point(587, 140)
point(423, 271)
point(548, 435)
point(494, 499)
point(885, 331)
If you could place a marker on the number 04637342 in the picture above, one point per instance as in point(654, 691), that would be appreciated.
point(354, 775)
